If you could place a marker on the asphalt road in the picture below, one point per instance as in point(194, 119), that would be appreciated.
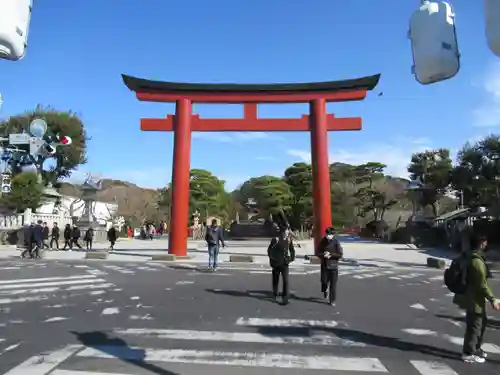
point(102, 318)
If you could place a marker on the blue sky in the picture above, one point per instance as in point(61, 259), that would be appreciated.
point(78, 49)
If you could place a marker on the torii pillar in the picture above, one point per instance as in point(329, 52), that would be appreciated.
point(184, 122)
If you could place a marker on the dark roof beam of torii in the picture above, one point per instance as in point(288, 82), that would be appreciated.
point(158, 91)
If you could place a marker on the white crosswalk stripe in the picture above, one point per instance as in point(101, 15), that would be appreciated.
point(39, 289)
point(166, 348)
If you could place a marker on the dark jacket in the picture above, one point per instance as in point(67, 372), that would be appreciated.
point(214, 236)
point(37, 234)
point(332, 246)
point(67, 232)
point(280, 252)
point(28, 235)
point(478, 291)
point(89, 235)
point(55, 233)
point(112, 234)
point(75, 233)
point(45, 233)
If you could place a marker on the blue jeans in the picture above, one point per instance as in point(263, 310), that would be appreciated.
point(213, 254)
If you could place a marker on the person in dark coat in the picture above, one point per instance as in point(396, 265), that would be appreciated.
point(88, 238)
point(67, 237)
point(54, 236)
point(112, 235)
point(214, 238)
point(28, 240)
point(330, 252)
point(281, 253)
point(37, 237)
point(75, 236)
point(45, 236)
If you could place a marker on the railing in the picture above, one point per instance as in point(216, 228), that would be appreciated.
point(16, 221)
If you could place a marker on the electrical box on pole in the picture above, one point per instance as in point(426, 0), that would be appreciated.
point(15, 17)
point(434, 42)
point(492, 24)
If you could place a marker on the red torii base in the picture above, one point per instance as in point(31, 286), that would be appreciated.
point(183, 123)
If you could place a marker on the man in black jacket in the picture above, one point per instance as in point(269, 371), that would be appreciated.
point(330, 252)
point(54, 236)
point(214, 237)
point(281, 253)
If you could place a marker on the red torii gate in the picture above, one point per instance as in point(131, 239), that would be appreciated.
point(184, 122)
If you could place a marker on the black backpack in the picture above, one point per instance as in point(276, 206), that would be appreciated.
point(455, 277)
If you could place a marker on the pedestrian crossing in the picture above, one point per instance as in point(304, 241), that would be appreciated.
point(14, 291)
point(246, 343)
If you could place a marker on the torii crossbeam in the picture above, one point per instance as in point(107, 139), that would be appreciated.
point(184, 122)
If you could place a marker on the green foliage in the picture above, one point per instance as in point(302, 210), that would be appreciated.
point(27, 192)
point(207, 196)
point(477, 173)
point(272, 194)
point(67, 158)
point(434, 170)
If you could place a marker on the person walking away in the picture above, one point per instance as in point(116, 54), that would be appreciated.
point(281, 253)
point(28, 241)
point(330, 252)
point(112, 235)
point(88, 238)
point(473, 300)
point(67, 237)
point(54, 236)
point(75, 236)
point(214, 238)
point(37, 240)
point(45, 236)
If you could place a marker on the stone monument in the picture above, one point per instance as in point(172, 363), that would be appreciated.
point(90, 188)
point(254, 226)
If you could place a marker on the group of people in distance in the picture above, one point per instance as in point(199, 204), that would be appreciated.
point(39, 236)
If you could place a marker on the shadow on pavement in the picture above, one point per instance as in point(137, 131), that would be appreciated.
point(263, 295)
point(116, 346)
point(492, 323)
point(372, 340)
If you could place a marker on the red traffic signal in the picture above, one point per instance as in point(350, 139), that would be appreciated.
point(64, 140)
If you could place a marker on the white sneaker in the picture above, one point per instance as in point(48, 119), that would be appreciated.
point(473, 359)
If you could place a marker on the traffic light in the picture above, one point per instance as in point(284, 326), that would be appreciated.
point(51, 150)
point(6, 183)
point(59, 140)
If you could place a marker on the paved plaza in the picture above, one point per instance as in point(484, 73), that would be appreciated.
point(129, 318)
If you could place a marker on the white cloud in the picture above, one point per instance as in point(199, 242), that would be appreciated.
point(266, 158)
point(488, 114)
point(234, 136)
point(396, 155)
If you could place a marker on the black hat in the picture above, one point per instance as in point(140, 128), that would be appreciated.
point(330, 230)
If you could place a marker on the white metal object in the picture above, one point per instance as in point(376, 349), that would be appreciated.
point(15, 17)
point(434, 43)
point(492, 24)
point(19, 139)
point(36, 145)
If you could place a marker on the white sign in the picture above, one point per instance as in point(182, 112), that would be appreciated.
point(19, 139)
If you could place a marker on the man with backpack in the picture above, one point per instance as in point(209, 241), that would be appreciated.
point(281, 253)
point(467, 277)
